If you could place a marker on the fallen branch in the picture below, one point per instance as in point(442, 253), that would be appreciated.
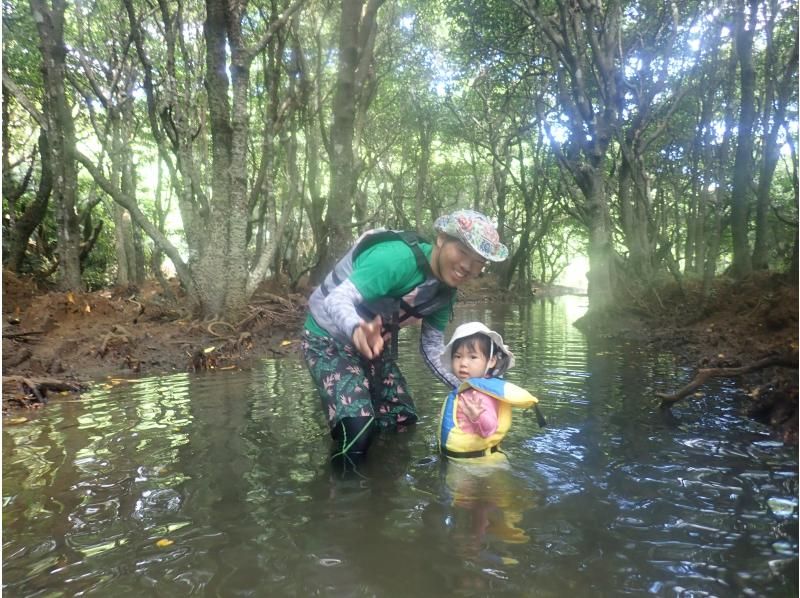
point(45, 383)
point(37, 387)
point(22, 336)
point(703, 375)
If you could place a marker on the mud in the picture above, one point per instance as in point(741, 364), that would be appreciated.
point(55, 342)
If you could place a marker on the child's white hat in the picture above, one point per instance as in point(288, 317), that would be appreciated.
point(504, 362)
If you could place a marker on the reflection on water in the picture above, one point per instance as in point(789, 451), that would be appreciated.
point(217, 485)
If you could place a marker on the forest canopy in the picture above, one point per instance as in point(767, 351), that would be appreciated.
point(246, 140)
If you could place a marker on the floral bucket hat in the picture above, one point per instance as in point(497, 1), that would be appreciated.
point(476, 231)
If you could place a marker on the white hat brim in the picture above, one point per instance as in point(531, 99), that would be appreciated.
point(468, 329)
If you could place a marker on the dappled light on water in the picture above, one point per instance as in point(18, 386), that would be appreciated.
point(217, 484)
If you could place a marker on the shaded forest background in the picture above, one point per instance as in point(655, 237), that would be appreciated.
point(243, 141)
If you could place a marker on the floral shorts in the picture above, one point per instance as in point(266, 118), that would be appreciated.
point(351, 386)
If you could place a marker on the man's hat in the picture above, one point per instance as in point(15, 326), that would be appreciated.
point(476, 231)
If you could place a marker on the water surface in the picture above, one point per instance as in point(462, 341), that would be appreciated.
point(217, 485)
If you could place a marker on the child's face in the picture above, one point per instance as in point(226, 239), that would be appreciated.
point(469, 361)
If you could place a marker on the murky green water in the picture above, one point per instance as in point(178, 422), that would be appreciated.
point(228, 470)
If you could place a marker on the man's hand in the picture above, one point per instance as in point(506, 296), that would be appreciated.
point(367, 338)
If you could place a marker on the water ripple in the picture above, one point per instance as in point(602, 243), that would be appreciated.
point(217, 484)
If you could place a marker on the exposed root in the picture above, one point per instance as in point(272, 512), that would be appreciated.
point(201, 360)
point(703, 375)
point(117, 332)
point(222, 323)
point(23, 336)
point(244, 342)
point(140, 308)
point(15, 360)
point(31, 392)
point(275, 299)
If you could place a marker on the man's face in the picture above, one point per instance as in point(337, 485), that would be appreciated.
point(453, 262)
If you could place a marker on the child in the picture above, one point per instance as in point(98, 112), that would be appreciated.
point(477, 415)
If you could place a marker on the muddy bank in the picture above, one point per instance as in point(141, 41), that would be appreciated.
point(76, 338)
point(746, 330)
point(52, 338)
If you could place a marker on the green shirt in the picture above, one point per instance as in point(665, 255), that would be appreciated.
point(389, 269)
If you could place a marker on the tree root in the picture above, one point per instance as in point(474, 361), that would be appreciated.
point(139, 308)
point(117, 332)
point(277, 299)
point(37, 387)
point(23, 336)
point(703, 375)
point(219, 322)
point(14, 360)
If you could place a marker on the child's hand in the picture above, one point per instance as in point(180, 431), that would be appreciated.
point(472, 407)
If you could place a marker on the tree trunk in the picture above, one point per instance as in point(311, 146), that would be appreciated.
point(425, 140)
point(579, 49)
point(222, 262)
point(343, 182)
point(264, 195)
point(123, 225)
point(743, 163)
point(352, 95)
point(34, 212)
point(780, 91)
point(600, 288)
point(315, 204)
point(634, 219)
point(61, 135)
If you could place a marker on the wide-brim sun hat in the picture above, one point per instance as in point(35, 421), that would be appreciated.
point(476, 231)
point(468, 329)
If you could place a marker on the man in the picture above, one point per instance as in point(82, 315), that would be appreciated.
point(387, 280)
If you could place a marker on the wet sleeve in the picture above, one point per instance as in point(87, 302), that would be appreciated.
point(340, 306)
point(431, 345)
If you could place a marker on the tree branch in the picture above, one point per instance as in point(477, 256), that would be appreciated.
point(248, 54)
point(23, 100)
point(184, 273)
point(703, 375)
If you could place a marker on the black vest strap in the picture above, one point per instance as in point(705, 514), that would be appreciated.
point(410, 238)
point(444, 294)
point(388, 306)
point(471, 454)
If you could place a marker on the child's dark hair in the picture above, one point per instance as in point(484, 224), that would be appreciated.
point(476, 341)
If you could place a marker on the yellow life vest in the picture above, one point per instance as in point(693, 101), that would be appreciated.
point(455, 442)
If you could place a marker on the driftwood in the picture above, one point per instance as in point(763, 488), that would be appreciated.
point(38, 387)
point(22, 336)
point(703, 375)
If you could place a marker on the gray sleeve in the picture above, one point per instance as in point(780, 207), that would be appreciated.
point(340, 307)
point(431, 345)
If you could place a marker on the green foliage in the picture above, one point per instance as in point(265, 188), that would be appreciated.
point(471, 78)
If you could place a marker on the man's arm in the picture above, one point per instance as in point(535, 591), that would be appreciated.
point(431, 345)
point(340, 307)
